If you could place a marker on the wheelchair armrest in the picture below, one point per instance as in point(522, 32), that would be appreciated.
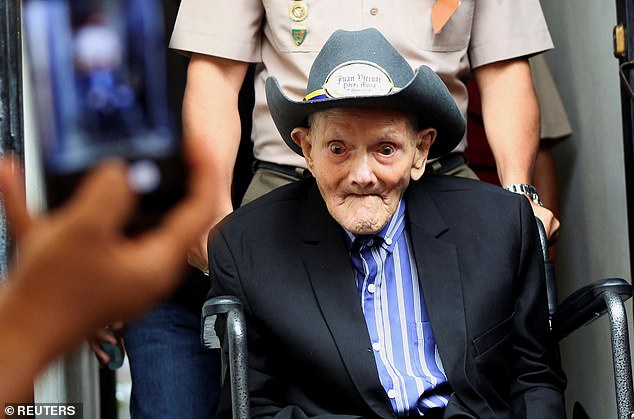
point(213, 309)
point(587, 304)
point(224, 328)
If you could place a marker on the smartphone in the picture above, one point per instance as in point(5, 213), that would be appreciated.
point(99, 77)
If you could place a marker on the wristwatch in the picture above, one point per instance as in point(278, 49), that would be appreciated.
point(525, 189)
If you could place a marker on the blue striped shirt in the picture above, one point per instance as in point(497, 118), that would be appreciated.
point(404, 348)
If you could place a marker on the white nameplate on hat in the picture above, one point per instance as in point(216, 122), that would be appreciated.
point(358, 78)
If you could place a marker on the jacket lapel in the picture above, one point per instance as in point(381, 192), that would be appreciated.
point(439, 275)
point(332, 278)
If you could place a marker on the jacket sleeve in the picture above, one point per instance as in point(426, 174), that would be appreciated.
point(537, 390)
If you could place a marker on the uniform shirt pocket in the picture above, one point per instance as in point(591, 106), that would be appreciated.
point(454, 36)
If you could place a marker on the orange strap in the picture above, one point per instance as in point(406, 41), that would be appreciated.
point(441, 13)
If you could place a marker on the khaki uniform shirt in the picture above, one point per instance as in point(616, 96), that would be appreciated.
point(479, 32)
point(554, 119)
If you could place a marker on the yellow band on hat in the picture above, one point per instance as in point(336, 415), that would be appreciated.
point(316, 94)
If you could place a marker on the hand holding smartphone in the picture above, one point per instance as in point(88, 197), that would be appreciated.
point(100, 89)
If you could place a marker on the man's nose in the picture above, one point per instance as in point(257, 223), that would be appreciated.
point(361, 172)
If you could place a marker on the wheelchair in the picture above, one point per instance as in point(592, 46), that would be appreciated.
point(579, 309)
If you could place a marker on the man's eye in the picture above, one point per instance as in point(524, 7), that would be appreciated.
point(386, 149)
point(336, 148)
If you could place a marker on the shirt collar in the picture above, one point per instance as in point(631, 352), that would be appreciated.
point(386, 238)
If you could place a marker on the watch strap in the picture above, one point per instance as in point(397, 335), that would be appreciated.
point(525, 189)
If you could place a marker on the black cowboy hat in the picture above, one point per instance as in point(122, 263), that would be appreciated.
point(361, 69)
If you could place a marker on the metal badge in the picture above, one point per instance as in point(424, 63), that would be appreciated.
point(298, 11)
point(299, 34)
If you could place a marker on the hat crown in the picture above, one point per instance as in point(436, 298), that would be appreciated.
point(367, 47)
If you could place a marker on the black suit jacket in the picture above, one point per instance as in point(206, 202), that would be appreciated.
point(480, 267)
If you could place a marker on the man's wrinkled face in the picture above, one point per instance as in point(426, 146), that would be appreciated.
point(363, 160)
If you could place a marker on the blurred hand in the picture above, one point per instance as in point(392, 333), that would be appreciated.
point(108, 334)
point(78, 269)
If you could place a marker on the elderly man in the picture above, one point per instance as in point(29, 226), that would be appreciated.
point(370, 290)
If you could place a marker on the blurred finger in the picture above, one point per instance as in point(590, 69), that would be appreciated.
point(105, 335)
point(14, 199)
point(101, 355)
point(190, 220)
point(105, 191)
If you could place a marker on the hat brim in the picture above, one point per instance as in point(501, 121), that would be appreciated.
point(425, 96)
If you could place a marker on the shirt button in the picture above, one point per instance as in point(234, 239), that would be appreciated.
point(376, 346)
point(374, 11)
point(370, 243)
point(371, 288)
point(391, 394)
point(388, 241)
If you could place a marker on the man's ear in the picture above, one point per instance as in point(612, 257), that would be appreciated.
point(301, 136)
point(424, 139)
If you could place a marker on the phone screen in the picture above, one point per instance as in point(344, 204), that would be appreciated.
point(100, 89)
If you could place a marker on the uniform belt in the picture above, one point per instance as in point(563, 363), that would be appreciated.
point(292, 171)
point(446, 163)
point(439, 166)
